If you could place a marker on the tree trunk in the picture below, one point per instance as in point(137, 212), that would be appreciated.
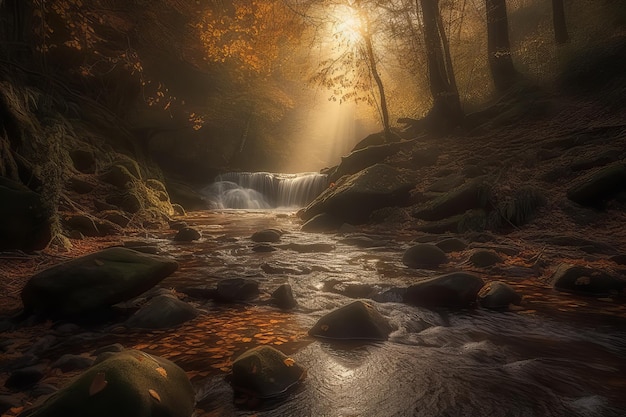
point(558, 19)
point(369, 49)
point(446, 111)
point(499, 46)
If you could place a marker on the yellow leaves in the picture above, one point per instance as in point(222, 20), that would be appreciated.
point(289, 362)
point(154, 395)
point(161, 371)
point(98, 384)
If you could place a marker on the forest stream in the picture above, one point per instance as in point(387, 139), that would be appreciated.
point(552, 356)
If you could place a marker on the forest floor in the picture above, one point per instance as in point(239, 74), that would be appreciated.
point(530, 151)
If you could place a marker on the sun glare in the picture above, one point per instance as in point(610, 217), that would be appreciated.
point(348, 24)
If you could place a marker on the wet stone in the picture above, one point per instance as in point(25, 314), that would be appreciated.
point(586, 281)
point(265, 372)
point(484, 258)
point(263, 248)
point(457, 289)
point(283, 297)
point(267, 235)
point(498, 295)
point(356, 321)
point(237, 289)
point(424, 256)
point(187, 234)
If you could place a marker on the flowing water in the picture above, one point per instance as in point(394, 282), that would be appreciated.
point(471, 362)
point(263, 190)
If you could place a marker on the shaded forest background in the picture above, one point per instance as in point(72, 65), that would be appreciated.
point(189, 89)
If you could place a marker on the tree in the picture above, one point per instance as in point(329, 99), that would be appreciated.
point(446, 110)
point(558, 18)
point(501, 65)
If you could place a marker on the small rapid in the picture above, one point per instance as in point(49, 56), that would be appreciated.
point(264, 190)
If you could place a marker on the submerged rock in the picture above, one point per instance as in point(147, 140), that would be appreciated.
point(586, 281)
point(94, 281)
point(264, 372)
point(498, 295)
point(424, 255)
point(355, 321)
point(321, 223)
point(457, 289)
point(128, 384)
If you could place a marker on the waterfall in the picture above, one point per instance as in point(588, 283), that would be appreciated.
point(262, 190)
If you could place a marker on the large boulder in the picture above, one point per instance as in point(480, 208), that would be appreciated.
point(473, 195)
point(24, 219)
point(584, 280)
point(162, 312)
point(362, 158)
point(355, 321)
point(354, 198)
point(457, 289)
point(94, 281)
point(127, 384)
point(264, 372)
point(596, 188)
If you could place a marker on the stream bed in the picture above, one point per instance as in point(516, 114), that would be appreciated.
point(473, 362)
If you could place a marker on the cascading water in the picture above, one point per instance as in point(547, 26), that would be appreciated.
point(263, 190)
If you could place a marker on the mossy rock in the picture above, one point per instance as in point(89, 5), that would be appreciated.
point(94, 281)
point(127, 384)
point(457, 289)
point(130, 164)
point(424, 255)
point(162, 312)
point(265, 372)
point(156, 185)
point(187, 234)
point(356, 321)
point(585, 281)
point(128, 201)
point(472, 195)
point(519, 209)
point(595, 189)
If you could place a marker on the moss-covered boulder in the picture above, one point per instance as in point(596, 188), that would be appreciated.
point(457, 289)
point(355, 197)
point(356, 321)
point(451, 244)
point(498, 295)
point(424, 255)
point(586, 281)
point(24, 219)
point(119, 176)
point(264, 372)
point(473, 195)
point(162, 312)
point(598, 187)
point(128, 384)
point(94, 281)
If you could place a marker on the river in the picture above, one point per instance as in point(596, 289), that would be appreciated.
point(551, 357)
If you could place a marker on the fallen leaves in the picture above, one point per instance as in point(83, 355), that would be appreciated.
point(98, 384)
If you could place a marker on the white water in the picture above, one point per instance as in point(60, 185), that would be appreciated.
point(263, 190)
